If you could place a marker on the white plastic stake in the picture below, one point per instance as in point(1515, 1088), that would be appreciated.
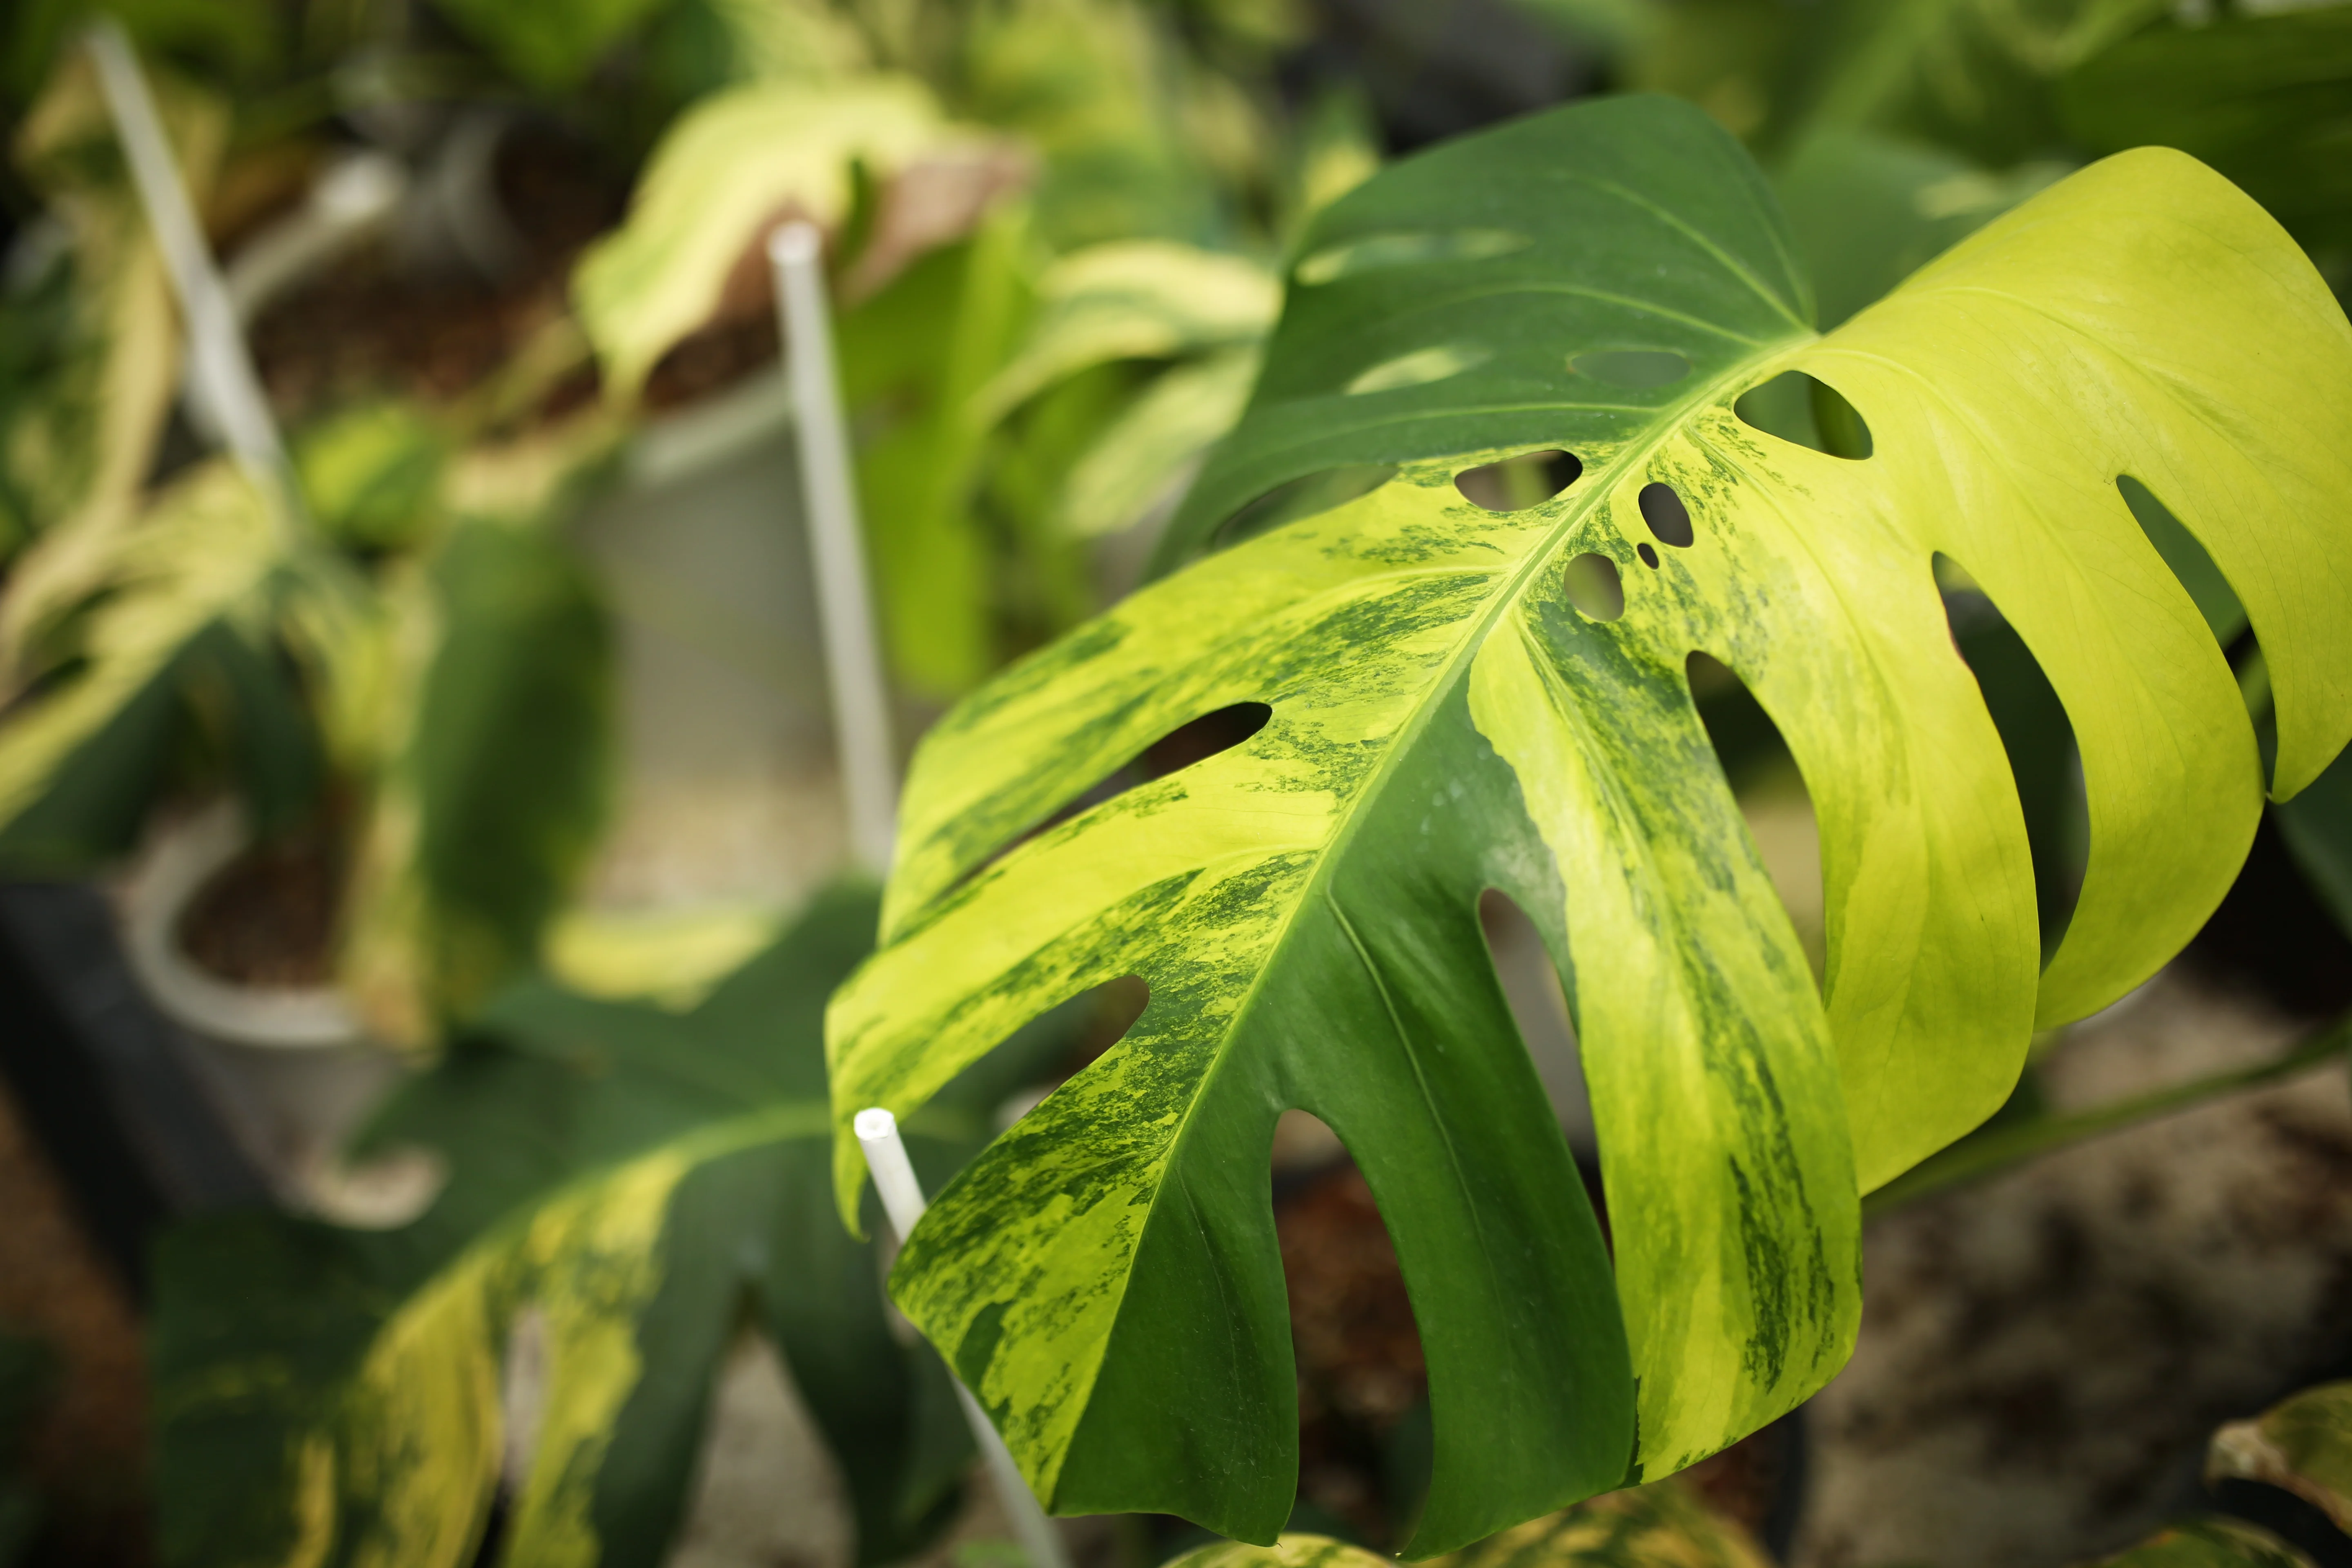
point(902, 1200)
point(217, 349)
point(853, 656)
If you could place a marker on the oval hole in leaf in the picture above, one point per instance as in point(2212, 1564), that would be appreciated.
point(1810, 413)
point(1762, 773)
point(1308, 496)
point(1637, 370)
point(1649, 554)
point(1418, 368)
point(1357, 1342)
point(1379, 251)
point(1514, 484)
point(1540, 1007)
point(1592, 585)
point(1669, 519)
point(1194, 741)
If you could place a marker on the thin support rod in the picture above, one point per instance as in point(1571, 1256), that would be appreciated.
point(853, 654)
point(222, 365)
point(902, 1200)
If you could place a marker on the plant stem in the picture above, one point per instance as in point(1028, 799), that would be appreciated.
point(1989, 1153)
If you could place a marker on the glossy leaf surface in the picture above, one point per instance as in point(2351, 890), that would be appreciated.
point(625, 1187)
point(1444, 721)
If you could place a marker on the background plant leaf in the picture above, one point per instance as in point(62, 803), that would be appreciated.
point(2266, 99)
point(727, 171)
point(628, 1185)
point(2208, 1544)
point(1445, 720)
point(2302, 1444)
point(498, 734)
point(1663, 1525)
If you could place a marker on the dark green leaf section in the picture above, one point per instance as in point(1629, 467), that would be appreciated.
point(270, 1441)
point(1434, 310)
point(221, 693)
point(2318, 827)
point(509, 750)
point(2265, 99)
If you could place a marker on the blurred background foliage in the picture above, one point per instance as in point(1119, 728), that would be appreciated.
point(496, 258)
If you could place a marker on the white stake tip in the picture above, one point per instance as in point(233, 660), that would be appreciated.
point(875, 1125)
point(795, 242)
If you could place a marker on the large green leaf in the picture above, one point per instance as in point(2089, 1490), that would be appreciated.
point(625, 1186)
point(2266, 99)
point(1445, 719)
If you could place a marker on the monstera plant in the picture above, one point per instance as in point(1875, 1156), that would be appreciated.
point(1450, 699)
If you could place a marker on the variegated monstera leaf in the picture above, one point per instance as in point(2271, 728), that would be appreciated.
point(627, 1189)
point(1459, 702)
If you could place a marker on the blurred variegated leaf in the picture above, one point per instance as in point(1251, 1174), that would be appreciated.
point(731, 169)
point(2208, 1544)
point(373, 475)
point(2302, 1444)
point(1448, 703)
point(1193, 316)
point(1092, 86)
point(1138, 299)
point(1662, 1525)
point(195, 582)
point(1146, 456)
point(92, 342)
point(625, 1187)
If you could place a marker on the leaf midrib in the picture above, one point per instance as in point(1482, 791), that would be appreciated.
point(1472, 641)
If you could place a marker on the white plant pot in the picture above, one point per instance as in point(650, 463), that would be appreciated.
point(289, 1067)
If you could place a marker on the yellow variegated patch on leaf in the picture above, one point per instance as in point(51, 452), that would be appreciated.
point(731, 169)
point(1134, 300)
point(627, 1190)
point(79, 446)
point(1455, 700)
